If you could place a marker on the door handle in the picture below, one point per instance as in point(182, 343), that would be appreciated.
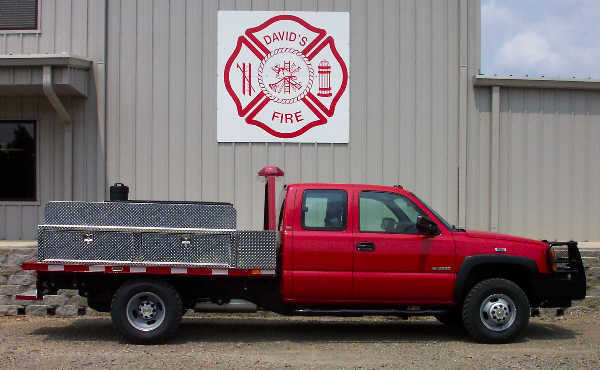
point(365, 247)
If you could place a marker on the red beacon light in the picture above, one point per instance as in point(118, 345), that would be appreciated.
point(271, 171)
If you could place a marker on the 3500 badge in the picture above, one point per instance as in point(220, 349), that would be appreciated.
point(285, 76)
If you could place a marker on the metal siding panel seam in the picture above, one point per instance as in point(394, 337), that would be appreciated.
point(495, 159)
point(160, 99)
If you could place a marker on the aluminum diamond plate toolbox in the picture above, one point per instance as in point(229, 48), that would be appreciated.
point(201, 249)
point(66, 245)
point(256, 249)
point(142, 214)
point(180, 247)
point(159, 233)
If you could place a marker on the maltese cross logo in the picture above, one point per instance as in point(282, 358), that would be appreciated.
point(285, 76)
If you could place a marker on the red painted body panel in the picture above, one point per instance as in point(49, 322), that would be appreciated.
point(469, 245)
point(322, 260)
point(403, 267)
point(496, 236)
point(325, 267)
point(404, 288)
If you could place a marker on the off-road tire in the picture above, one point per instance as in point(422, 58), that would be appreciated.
point(472, 304)
point(173, 310)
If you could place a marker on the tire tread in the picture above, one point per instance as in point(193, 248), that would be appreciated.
point(171, 329)
point(471, 325)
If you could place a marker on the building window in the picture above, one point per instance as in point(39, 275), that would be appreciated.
point(18, 160)
point(18, 15)
point(324, 210)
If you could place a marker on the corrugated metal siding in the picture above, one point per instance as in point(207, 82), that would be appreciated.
point(75, 27)
point(161, 123)
point(69, 26)
point(549, 142)
point(478, 174)
point(18, 220)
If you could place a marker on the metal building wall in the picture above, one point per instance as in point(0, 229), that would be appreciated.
point(478, 147)
point(74, 27)
point(411, 95)
point(547, 171)
point(19, 220)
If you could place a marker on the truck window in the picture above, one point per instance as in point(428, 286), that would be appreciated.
point(382, 212)
point(324, 209)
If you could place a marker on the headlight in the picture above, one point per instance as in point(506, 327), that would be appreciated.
point(552, 259)
point(558, 257)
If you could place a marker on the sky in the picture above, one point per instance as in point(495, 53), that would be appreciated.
point(551, 38)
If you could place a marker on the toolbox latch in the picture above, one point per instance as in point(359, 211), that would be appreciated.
point(88, 238)
point(185, 240)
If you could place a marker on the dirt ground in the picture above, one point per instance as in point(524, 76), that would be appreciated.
point(265, 340)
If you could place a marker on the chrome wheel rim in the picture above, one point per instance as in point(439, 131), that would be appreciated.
point(145, 311)
point(497, 312)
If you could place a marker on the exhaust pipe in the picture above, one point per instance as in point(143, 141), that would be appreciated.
point(234, 305)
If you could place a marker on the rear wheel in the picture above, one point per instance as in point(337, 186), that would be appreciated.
point(146, 311)
point(496, 311)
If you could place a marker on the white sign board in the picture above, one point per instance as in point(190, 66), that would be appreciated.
point(283, 77)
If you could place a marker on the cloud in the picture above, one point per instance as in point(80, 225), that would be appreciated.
point(496, 13)
point(559, 39)
point(529, 51)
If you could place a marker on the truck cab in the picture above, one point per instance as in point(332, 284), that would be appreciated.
point(357, 246)
point(363, 244)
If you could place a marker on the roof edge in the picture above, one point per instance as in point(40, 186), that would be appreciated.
point(537, 82)
point(34, 60)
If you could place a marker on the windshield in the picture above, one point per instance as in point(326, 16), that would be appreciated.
point(450, 227)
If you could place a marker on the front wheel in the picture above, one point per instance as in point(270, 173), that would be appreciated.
point(146, 311)
point(496, 311)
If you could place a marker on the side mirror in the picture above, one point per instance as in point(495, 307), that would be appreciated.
point(426, 226)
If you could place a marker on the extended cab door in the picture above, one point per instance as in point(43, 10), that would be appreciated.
point(392, 260)
point(322, 246)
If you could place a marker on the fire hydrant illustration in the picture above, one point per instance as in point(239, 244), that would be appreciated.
point(324, 79)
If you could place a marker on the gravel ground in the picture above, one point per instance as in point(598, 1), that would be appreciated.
point(266, 340)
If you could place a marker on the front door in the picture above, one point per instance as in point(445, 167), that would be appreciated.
point(392, 260)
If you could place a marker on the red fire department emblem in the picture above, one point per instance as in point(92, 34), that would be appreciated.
point(285, 76)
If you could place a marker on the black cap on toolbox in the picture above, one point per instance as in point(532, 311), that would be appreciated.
point(119, 192)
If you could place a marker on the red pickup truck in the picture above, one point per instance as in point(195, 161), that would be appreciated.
point(346, 250)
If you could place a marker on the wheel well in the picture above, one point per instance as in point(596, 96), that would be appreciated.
point(519, 275)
